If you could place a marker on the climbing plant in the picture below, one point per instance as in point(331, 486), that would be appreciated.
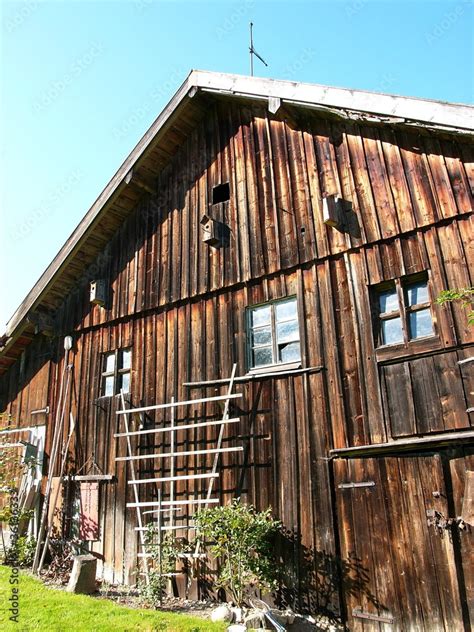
point(463, 296)
point(164, 558)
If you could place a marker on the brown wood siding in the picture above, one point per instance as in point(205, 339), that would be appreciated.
point(399, 566)
point(181, 307)
point(397, 182)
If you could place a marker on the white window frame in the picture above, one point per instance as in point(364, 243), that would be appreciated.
point(117, 372)
point(276, 365)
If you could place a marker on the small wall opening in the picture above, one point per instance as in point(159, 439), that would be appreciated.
point(221, 193)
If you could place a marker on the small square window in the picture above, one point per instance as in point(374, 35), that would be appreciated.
point(274, 336)
point(116, 372)
point(403, 311)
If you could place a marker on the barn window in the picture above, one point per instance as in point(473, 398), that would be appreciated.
point(116, 372)
point(274, 336)
point(402, 310)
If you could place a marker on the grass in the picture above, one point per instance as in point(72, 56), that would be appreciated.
point(44, 608)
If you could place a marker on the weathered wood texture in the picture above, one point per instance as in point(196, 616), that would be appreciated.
point(25, 387)
point(400, 565)
point(181, 307)
point(396, 182)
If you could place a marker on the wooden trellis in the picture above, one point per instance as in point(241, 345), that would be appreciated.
point(173, 505)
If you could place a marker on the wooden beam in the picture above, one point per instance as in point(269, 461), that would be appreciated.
point(175, 527)
point(164, 455)
point(215, 422)
point(166, 479)
point(254, 377)
point(91, 477)
point(446, 438)
point(189, 402)
point(167, 503)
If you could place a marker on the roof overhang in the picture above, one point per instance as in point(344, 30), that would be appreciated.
point(164, 135)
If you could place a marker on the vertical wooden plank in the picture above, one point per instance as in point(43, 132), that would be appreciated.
point(284, 205)
point(383, 200)
point(315, 195)
point(269, 219)
point(304, 235)
point(353, 222)
point(328, 177)
point(444, 315)
point(439, 172)
point(451, 395)
point(459, 159)
point(331, 356)
point(347, 348)
point(241, 197)
point(461, 464)
point(252, 201)
point(399, 399)
point(424, 202)
point(363, 186)
point(426, 399)
point(457, 276)
point(433, 485)
point(397, 180)
point(366, 360)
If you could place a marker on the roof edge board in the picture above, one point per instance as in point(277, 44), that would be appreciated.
point(411, 108)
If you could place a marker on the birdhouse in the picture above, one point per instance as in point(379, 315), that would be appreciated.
point(332, 211)
point(98, 292)
point(210, 231)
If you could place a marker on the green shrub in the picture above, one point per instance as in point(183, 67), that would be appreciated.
point(242, 538)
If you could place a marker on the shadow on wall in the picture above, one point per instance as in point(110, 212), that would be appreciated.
point(310, 581)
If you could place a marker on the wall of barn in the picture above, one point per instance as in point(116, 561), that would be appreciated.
point(181, 306)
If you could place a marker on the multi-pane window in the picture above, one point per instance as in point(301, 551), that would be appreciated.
point(274, 336)
point(403, 310)
point(116, 372)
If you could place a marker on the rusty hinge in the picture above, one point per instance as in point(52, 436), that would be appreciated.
point(359, 614)
point(351, 485)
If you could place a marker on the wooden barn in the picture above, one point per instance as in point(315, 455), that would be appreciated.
point(301, 233)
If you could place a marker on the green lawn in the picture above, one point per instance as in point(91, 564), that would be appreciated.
point(43, 608)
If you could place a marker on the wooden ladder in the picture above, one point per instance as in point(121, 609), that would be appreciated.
point(173, 505)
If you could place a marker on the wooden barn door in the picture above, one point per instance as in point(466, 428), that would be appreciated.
point(402, 568)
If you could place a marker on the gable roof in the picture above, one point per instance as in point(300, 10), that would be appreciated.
point(161, 141)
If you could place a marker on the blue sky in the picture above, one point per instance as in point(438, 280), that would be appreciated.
point(82, 81)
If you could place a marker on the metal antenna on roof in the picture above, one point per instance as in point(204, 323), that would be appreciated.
point(253, 51)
